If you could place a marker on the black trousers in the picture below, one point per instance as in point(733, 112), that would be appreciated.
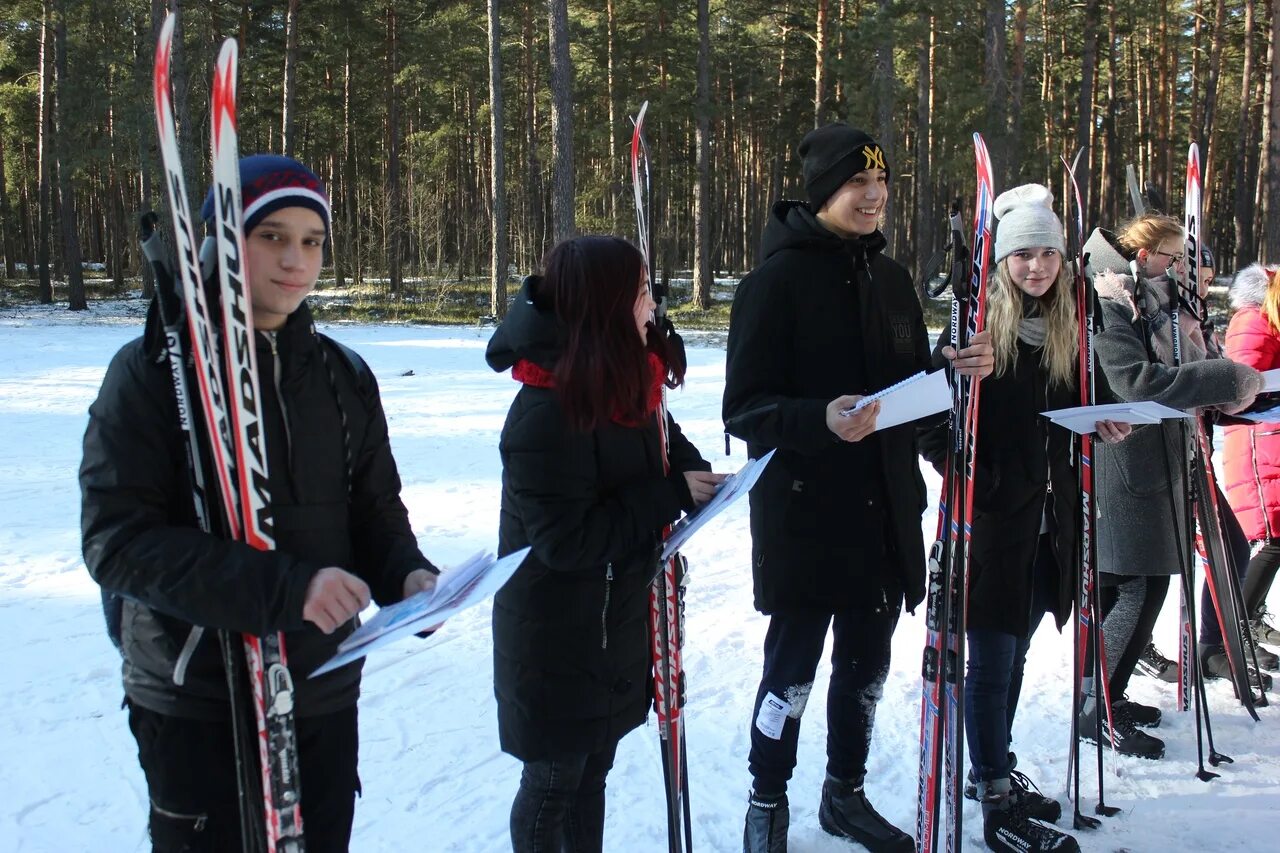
point(859, 667)
point(1258, 579)
point(191, 779)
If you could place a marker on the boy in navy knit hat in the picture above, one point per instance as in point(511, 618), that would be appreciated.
point(342, 538)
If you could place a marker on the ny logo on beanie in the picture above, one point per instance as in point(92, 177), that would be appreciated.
point(874, 155)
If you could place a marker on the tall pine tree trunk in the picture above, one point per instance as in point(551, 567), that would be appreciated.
point(1084, 104)
point(925, 214)
point(1244, 180)
point(7, 222)
point(394, 269)
point(44, 154)
point(290, 75)
point(70, 239)
point(819, 60)
point(702, 187)
point(996, 83)
point(1271, 246)
point(562, 192)
point(886, 88)
point(497, 169)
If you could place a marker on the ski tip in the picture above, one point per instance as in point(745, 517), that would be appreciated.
point(223, 91)
point(164, 55)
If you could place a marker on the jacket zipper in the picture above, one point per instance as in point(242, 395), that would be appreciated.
point(604, 611)
point(277, 376)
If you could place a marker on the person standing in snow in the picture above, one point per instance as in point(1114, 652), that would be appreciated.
point(1026, 506)
point(1142, 531)
point(1251, 451)
point(826, 319)
point(342, 536)
point(583, 483)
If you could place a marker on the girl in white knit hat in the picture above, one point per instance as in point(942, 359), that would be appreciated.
point(1026, 506)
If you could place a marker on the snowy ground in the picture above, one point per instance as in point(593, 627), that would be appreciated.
point(434, 778)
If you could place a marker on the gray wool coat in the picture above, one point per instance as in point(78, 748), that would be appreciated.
point(1142, 522)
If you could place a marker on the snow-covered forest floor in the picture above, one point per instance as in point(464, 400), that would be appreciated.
point(434, 778)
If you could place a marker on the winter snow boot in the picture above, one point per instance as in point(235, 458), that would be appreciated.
point(1034, 803)
point(767, 822)
point(1262, 630)
point(1007, 827)
point(845, 812)
point(1213, 663)
point(1129, 739)
point(1142, 715)
point(1267, 659)
point(1156, 665)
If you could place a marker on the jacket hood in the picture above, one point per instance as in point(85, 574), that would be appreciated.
point(1249, 286)
point(1103, 253)
point(792, 225)
point(530, 332)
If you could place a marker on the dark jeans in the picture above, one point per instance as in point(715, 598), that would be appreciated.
point(993, 677)
point(1257, 581)
point(1238, 548)
point(859, 666)
point(559, 807)
point(191, 779)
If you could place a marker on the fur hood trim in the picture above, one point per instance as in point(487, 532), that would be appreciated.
point(1249, 286)
point(1116, 287)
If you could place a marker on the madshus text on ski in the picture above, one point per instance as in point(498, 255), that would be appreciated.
point(241, 504)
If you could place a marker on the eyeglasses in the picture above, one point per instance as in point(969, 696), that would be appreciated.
point(1174, 258)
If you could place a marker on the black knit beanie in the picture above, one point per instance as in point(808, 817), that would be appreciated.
point(833, 154)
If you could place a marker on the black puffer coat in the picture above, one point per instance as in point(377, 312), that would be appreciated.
point(571, 649)
point(1024, 467)
point(141, 541)
point(833, 524)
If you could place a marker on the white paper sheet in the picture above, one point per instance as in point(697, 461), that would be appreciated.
point(458, 588)
point(915, 397)
point(1084, 419)
point(726, 494)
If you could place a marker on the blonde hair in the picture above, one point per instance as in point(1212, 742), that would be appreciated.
point(1062, 328)
point(1148, 231)
point(1271, 302)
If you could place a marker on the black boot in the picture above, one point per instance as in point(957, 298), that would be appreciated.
point(1156, 665)
point(1034, 803)
point(1142, 715)
point(845, 812)
point(1213, 664)
point(1006, 826)
point(1263, 632)
point(1129, 739)
point(767, 822)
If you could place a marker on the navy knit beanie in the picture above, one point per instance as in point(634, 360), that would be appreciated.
point(833, 154)
point(269, 182)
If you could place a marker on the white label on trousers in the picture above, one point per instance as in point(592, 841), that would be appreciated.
point(773, 713)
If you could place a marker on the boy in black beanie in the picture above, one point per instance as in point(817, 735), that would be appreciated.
point(824, 320)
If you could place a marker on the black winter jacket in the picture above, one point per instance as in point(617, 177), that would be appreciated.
point(141, 540)
point(571, 656)
point(1024, 466)
point(833, 524)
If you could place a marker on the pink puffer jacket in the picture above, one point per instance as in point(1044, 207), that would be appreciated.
point(1251, 454)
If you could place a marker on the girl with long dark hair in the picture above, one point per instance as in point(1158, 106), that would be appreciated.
point(585, 484)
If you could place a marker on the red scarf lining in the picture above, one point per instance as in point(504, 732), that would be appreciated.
point(528, 373)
